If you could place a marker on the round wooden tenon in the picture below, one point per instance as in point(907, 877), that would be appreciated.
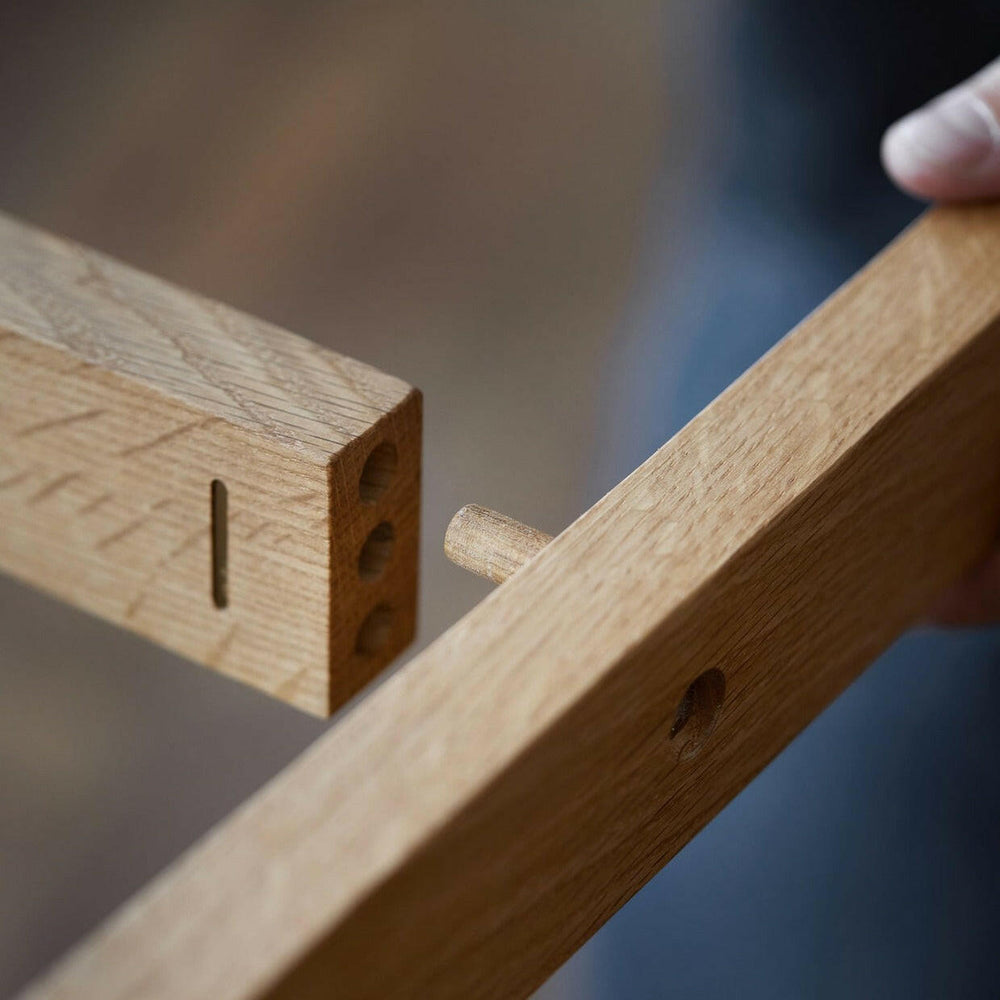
point(491, 544)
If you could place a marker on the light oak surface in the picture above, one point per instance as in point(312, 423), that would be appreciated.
point(123, 398)
point(491, 544)
point(476, 818)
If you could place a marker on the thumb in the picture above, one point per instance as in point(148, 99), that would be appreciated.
point(950, 149)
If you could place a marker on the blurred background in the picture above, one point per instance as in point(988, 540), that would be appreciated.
point(571, 224)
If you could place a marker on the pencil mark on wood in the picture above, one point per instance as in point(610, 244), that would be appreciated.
point(214, 658)
point(287, 687)
point(121, 534)
point(89, 508)
point(259, 530)
point(53, 487)
point(47, 425)
point(161, 565)
point(136, 603)
point(20, 477)
point(191, 540)
point(163, 438)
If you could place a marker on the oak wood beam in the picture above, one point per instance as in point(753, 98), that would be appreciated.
point(201, 477)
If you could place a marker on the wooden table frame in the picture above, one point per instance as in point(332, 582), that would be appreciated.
point(471, 822)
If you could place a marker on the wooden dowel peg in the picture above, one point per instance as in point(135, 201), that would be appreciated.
point(490, 544)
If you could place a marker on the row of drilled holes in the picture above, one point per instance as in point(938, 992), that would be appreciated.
point(376, 478)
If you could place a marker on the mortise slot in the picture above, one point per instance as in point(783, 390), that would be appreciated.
point(220, 543)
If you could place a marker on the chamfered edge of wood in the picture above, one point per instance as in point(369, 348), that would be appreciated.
point(478, 816)
point(209, 356)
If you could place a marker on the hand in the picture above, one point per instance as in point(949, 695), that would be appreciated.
point(950, 150)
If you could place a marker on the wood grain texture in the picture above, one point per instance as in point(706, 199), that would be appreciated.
point(478, 816)
point(122, 398)
point(491, 544)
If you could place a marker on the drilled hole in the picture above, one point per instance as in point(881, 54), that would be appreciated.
point(376, 551)
point(378, 473)
point(375, 631)
point(220, 543)
point(697, 713)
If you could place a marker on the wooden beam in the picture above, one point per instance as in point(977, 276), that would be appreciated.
point(216, 484)
point(477, 817)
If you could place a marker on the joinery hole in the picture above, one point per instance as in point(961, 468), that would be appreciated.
point(376, 551)
point(697, 713)
point(220, 544)
point(375, 631)
point(378, 472)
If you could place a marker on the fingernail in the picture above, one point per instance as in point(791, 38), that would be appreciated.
point(957, 132)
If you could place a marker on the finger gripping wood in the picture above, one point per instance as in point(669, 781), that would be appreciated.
point(490, 544)
point(214, 483)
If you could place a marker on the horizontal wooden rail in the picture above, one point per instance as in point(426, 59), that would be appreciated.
point(204, 478)
point(471, 822)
